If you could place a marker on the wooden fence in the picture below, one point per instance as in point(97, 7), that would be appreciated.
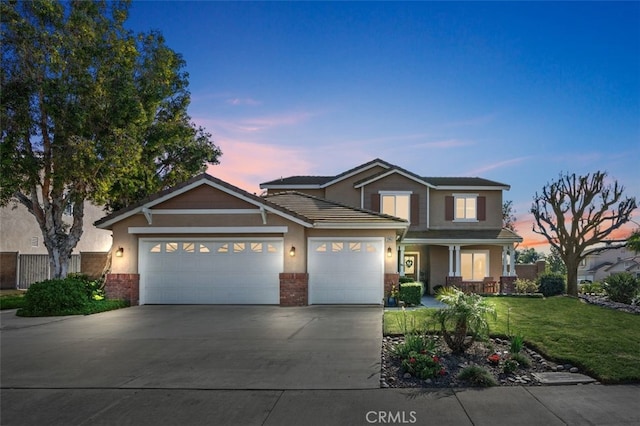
point(35, 267)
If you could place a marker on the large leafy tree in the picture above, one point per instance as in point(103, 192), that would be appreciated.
point(89, 112)
point(576, 214)
point(633, 242)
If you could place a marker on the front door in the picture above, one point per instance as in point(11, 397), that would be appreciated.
point(411, 266)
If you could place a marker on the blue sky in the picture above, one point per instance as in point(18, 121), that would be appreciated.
point(509, 91)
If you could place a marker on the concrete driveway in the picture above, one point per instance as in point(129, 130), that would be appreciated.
point(196, 347)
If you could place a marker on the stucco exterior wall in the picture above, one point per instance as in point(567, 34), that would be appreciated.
point(19, 229)
point(493, 212)
point(344, 191)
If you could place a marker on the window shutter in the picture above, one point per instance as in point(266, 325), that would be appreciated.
point(482, 208)
point(448, 207)
point(375, 202)
point(415, 209)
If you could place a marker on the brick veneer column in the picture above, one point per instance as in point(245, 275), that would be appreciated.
point(294, 289)
point(508, 284)
point(123, 286)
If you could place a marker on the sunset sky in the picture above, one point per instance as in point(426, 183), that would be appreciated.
point(513, 92)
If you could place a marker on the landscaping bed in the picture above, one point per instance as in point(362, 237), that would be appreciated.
point(394, 376)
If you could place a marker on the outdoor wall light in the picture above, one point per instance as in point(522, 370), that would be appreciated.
point(389, 252)
point(292, 251)
point(119, 252)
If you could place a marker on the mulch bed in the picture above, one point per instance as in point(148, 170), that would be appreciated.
point(392, 375)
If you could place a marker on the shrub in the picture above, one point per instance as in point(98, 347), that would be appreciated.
point(521, 360)
point(464, 320)
point(411, 293)
point(551, 284)
point(56, 297)
point(591, 288)
point(510, 366)
point(94, 288)
point(621, 287)
point(422, 365)
point(526, 286)
point(405, 279)
point(477, 376)
point(419, 343)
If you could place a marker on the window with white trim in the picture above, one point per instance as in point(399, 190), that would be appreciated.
point(397, 204)
point(474, 264)
point(465, 207)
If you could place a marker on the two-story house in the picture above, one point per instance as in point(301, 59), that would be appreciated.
point(598, 266)
point(310, 240)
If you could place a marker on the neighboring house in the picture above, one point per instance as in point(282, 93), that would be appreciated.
point(310, 240)
point(598, 266)
point(23, 256)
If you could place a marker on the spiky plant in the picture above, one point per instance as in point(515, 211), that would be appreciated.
point(464, 320)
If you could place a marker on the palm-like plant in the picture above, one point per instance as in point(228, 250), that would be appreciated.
point(464, 320)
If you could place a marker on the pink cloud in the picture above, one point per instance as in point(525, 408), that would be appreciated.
point(254, 124)
point(247, 164)
point(498, 165)
point(243, 101)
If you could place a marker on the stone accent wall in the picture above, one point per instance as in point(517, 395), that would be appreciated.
point(294, 289)
point(123, 286)
point(8, 269)
point(508, 285)
point(92, 263)
point(390, 280)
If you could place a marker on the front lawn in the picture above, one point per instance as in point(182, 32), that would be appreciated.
point(603, 342)
point(11, 299)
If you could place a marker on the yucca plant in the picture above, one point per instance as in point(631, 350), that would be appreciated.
point(464, 320)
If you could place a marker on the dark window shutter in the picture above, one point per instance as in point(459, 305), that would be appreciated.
point(482, 208)
point(375, 202)
point(448, 207)
point(415, 209)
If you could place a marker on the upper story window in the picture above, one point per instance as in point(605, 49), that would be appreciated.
point(466, 207)
point(396, 204)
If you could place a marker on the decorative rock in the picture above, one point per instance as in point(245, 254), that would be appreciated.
point(407, 375)
point(428, 381)
point(559, 368)
point(384, 385)
point(573, 370)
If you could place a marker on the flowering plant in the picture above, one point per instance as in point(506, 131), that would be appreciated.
point(423, 365)
point(394, 292)
point(494, 359)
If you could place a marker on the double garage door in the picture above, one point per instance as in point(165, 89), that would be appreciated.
point(247, 270)
point(210, 271)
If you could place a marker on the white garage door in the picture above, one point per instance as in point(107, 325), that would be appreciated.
point(185, 271)
point(346, 270)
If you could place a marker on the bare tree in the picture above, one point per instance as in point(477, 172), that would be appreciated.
point(576, 214)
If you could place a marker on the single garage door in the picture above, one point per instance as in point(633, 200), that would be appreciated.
point(210, 271)
point(346, 270)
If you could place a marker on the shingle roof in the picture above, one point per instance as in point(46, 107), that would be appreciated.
point(318, 210)
point(106, 221)
point(450, 235)
point(319, 181)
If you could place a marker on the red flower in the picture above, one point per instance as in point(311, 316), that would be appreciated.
point(494, 359)
point(412, 360)
point(436, 359)
point(442, 372)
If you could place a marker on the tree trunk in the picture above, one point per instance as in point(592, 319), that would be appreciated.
point(572, 278)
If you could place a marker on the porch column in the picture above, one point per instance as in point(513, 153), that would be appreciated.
point(451, 248)
point(512, 268)
point(401, 258)
point(458, 261)
point(504, 260)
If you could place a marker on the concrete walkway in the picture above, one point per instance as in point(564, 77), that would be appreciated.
point(203, 365)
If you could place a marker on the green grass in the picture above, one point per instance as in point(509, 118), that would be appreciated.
point(93, 307)
point(12, 301)
point(603, 342)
